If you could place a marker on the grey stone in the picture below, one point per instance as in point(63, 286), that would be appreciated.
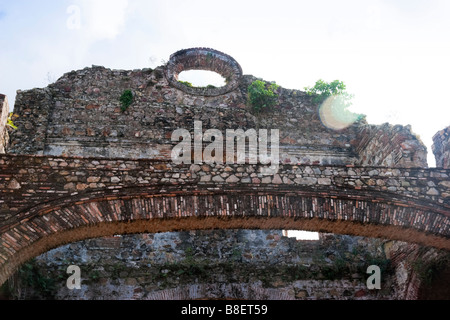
point(306, 181)
point(324, 181)
point(115, 179)
point(206, 178)
point(277, 179)
point(218, 179)
point(266, 180)
point(232, 179)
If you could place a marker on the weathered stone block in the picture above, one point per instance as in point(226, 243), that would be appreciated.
point(232, 179)
point(324, 181)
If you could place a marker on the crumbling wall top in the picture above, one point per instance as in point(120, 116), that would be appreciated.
point(81, 115)
point(391, 146)
point(4, 111)
point(441, 148)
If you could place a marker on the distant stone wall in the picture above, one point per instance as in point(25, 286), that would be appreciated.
point(390, 146)
point(221, 264)
point(4, 112)
point(441, 148)
point(237, 264)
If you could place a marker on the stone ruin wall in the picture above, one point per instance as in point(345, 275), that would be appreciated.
point(80, 115)
point(441, 148)
point(219, 264)
point(390, 146)
point(4, 112)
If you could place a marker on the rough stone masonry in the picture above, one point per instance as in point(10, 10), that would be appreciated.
point(4, 111)
point(74, 144)
point(441, 148)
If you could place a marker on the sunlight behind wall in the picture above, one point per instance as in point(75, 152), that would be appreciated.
point(301, 235)
point(202, 78)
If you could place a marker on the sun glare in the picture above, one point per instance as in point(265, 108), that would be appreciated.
point(334, 114)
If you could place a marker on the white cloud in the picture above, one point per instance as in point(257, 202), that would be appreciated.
point(103, 19)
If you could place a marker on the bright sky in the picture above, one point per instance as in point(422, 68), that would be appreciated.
point(393, 55)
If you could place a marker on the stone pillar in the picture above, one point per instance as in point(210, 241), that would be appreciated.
point(4, 111)
point(441, 148)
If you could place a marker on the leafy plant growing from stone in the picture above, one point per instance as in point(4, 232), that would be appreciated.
point(31, 275)
point(126, 99)
point(322, 90)
point(262, 95)
point(9, 121)
point(186, 83)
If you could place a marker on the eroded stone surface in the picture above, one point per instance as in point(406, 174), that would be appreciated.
point(190, 265)
point(80, 115)
point(441, 148)
point(4, 134)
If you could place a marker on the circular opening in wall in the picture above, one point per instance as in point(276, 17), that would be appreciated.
point(201, 78)
point(201, 60)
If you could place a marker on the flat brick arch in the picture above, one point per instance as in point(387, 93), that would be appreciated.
point(204, 59)
point(164, 209)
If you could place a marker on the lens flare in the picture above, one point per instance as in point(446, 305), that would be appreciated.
point(335, 115)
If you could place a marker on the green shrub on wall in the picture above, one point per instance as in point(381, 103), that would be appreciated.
point(262, 95)
point(126, 99)
point(186, 83)
point(31, 275)
point(322, 90)
point(190, 85)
